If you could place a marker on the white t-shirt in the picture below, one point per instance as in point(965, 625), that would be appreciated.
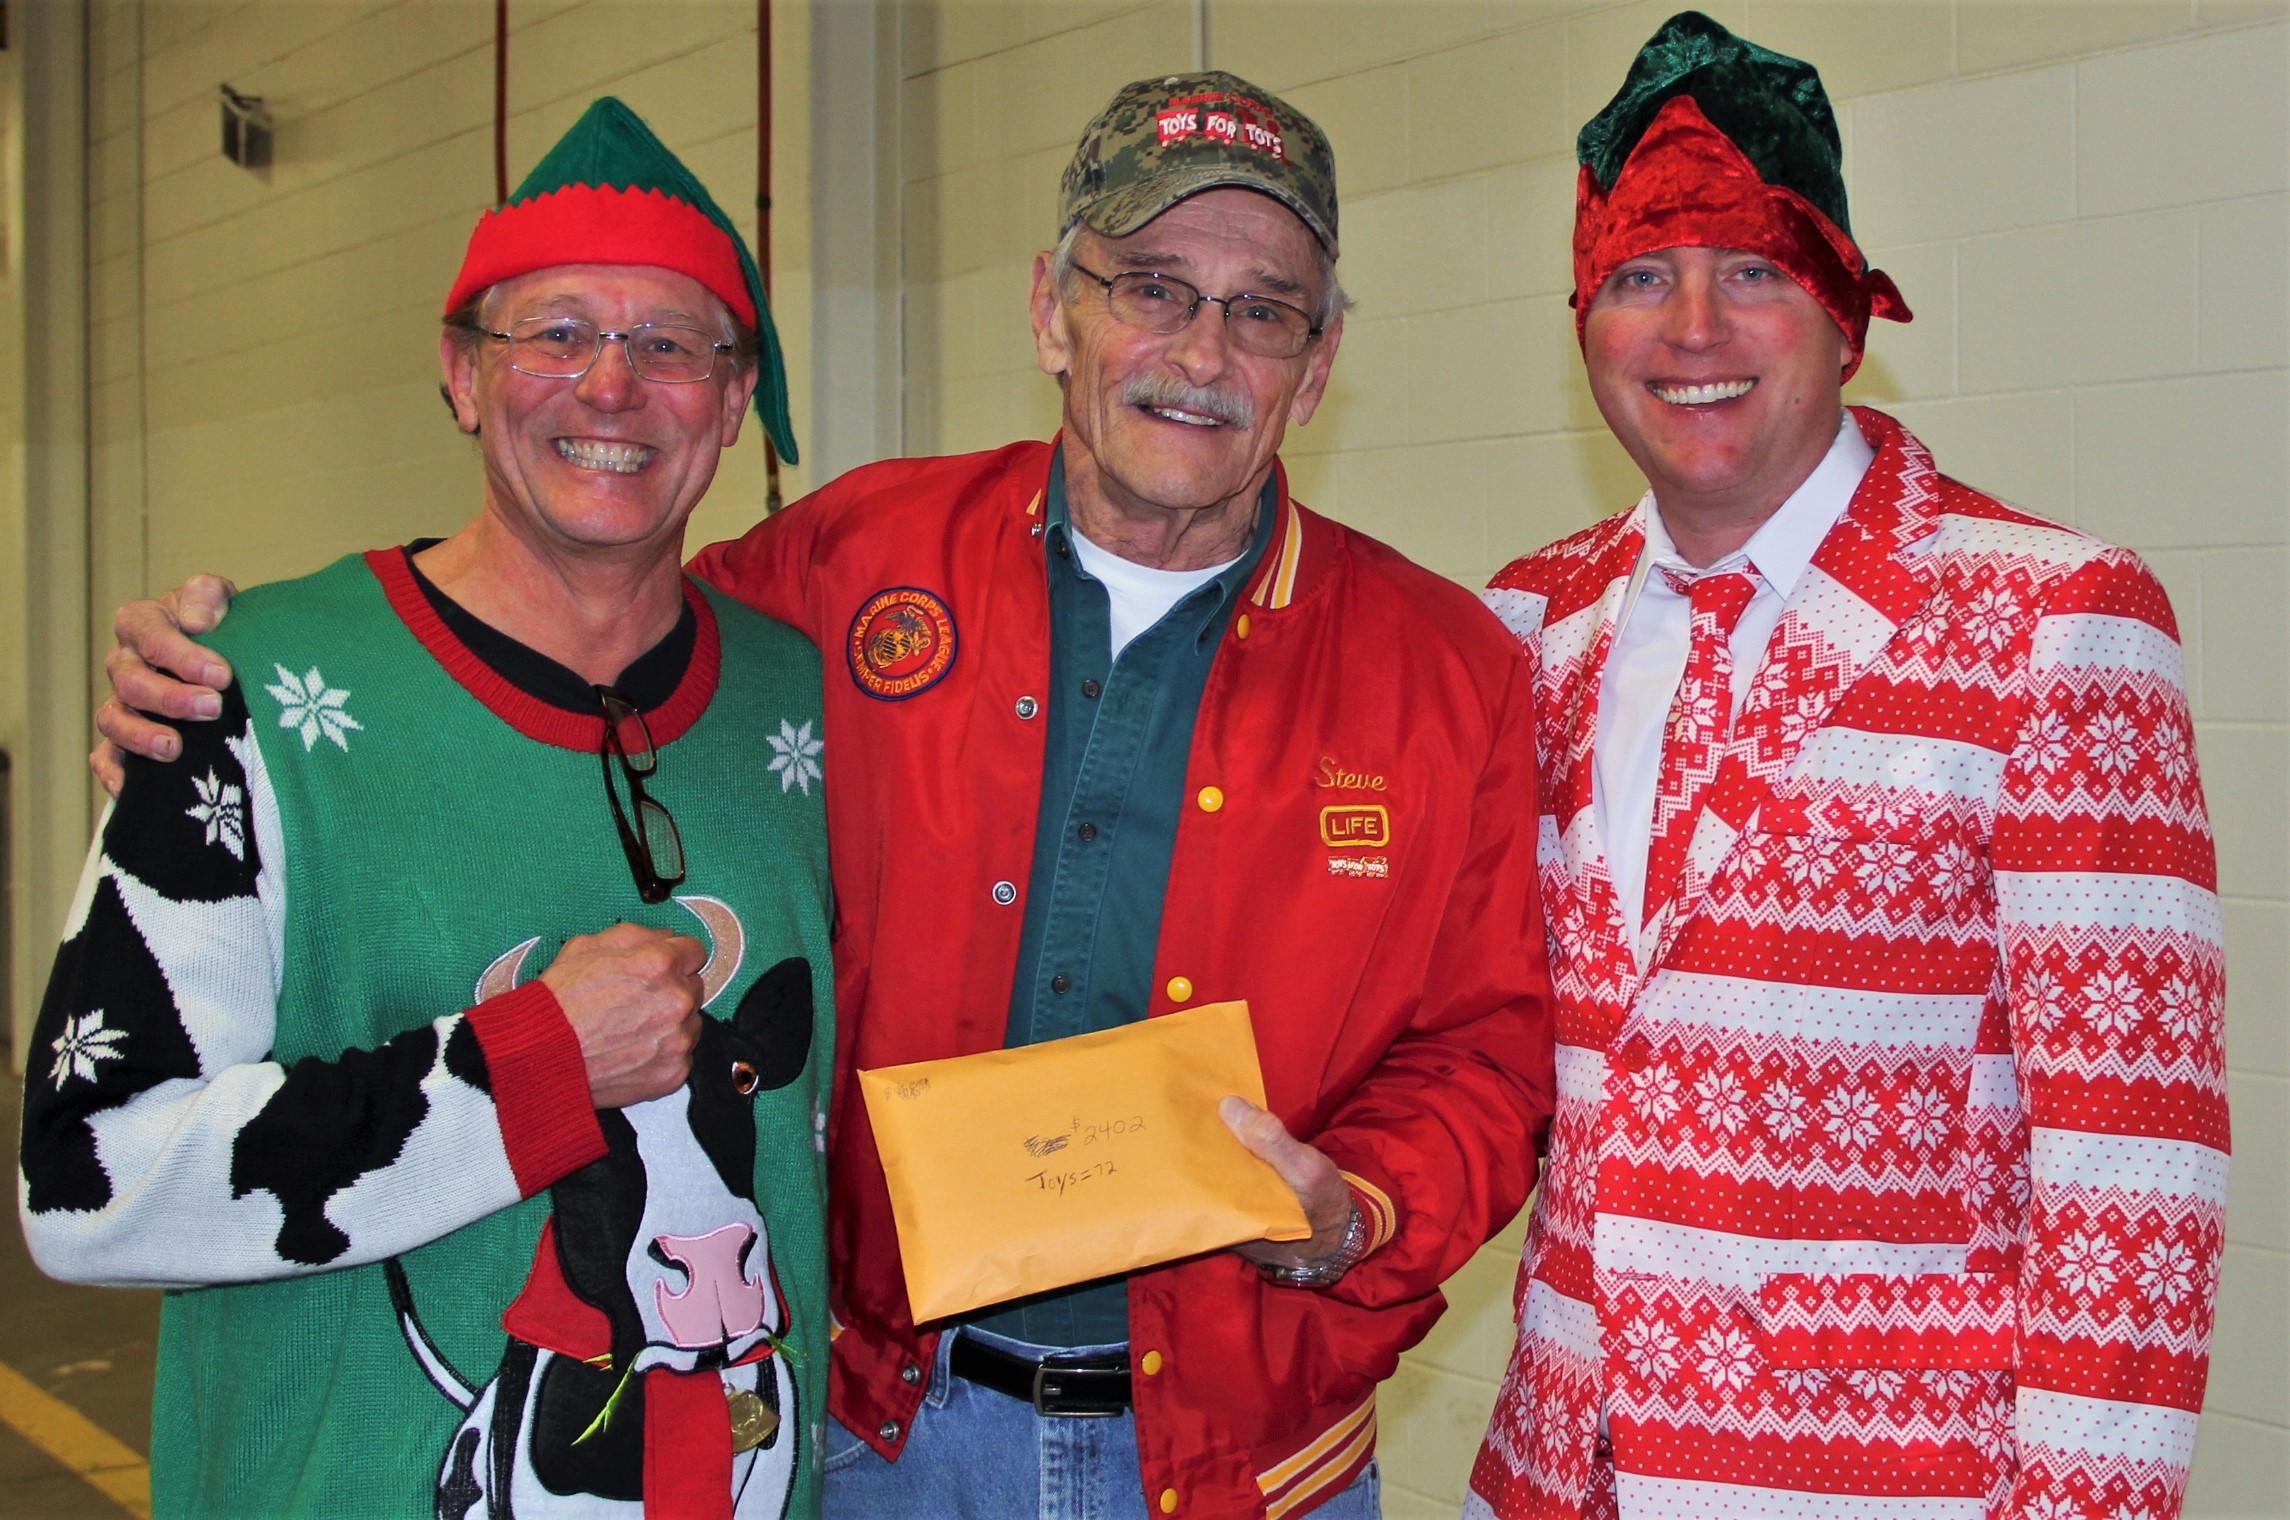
point(1648, 656)
point(1141, 595)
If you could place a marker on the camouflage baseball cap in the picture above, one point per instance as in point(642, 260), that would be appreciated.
point(1164, 139)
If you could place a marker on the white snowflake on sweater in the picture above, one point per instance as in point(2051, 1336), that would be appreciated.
point(1722, 1102)
point(2087, 1264)
point(1923, 1118)
point(2179, 1008)
point(2114, 1003)
point(1891, 874)
point(1651, 1348)
point(1652, 1092)
point(2167, 747)
point(222, 808)
point(2051, 744)
point(2167, 1273)
point(2041, 1000)
point(795, 755)
point(84, 1043)
point(2116, 743)
point(1852, 1119)
point(309, 705)
point(1993, 618)
point(1785, 1112)
point(1729, 1359)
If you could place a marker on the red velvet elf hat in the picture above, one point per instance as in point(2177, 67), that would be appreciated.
point(610, 192)
point(1715, 142)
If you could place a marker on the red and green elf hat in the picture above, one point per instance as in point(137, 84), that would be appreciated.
point(1715, 142)
point(610, 192)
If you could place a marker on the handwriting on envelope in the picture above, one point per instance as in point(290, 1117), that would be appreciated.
point(1018, 1171)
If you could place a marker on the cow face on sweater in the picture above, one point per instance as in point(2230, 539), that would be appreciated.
point(663, 1234)
point(664, 1243)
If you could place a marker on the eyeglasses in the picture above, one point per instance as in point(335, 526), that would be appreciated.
point(1155, 303)
point(655, 850)
point(563, 348)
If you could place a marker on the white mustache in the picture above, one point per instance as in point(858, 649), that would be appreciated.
point(1230, 407)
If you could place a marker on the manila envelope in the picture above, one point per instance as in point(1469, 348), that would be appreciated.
point(1018, 1171)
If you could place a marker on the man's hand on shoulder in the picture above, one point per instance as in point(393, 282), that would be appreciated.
point(632, 996)
point(156, 667)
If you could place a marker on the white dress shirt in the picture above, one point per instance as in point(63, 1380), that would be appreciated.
point(1648, 656)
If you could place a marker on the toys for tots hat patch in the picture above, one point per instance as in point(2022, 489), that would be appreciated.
point(1163, 139)
point(1223, 118)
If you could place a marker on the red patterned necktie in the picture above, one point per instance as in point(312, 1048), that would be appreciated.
point(1701, 716)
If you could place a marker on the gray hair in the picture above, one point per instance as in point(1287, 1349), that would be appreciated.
point(1333, 301)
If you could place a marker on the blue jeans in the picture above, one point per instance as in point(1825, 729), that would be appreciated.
point(975, 1454)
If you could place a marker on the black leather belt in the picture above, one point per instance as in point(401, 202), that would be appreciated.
point(1092, 1387)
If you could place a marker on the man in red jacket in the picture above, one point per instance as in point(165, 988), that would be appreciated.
point(1127, 730)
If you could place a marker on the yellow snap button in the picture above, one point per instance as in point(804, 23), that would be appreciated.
point(1180, 989)
point(1168, 1501)
point(1240, 627)
point(1211, 799)
point(1151, 1363)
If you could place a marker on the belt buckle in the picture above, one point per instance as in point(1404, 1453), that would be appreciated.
point(1042, 1371)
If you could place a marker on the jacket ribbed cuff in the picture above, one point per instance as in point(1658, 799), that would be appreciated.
point(540, 1085)
point(1375, 1206)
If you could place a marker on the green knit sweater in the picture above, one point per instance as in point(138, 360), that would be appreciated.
point(407, 820)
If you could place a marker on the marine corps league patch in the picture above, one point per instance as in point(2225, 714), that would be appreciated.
point(901, 643)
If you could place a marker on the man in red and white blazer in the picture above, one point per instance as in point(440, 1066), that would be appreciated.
point(1887, 1178)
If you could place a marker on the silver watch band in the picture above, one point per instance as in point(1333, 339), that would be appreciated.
point(1330, 1268)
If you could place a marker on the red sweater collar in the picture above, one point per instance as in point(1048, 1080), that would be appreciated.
point(528, 714)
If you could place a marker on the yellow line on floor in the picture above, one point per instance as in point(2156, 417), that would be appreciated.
point(107, 1463)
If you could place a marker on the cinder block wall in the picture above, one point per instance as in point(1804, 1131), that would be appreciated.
point(264, 365)
point(2084, 202)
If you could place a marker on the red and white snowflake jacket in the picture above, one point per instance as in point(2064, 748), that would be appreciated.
point(1355, 858)
point(1893, 1187)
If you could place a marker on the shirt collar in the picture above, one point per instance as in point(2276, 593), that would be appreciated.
point(1059, 531)
point(1784, 545)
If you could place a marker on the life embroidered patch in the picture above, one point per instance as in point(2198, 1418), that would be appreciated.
point(1357, 826)
point(901, 643)
point(1365, 827)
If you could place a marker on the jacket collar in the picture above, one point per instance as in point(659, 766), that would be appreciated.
point(1864, 582)
point(1605, 581)
point(1588, 922)
point(1293, 565)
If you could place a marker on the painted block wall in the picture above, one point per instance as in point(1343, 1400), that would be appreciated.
point(2084, 203)
point(2087, 202)
point(264, 346)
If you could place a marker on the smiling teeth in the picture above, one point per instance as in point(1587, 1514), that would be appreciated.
point(1190, 419)
point(620, 458)
point(1702, 395)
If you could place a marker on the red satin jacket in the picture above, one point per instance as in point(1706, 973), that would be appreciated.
point(1356, 859)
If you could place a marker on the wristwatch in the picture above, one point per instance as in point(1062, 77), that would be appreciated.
point(1330, 1267)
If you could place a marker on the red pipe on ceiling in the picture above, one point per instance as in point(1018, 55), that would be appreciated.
point(771, 496)
point(500, 101)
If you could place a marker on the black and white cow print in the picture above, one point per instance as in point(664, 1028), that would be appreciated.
point(163, 1144)
point(665, 1237)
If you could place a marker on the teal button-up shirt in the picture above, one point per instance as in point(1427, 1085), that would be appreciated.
point(1113, 781)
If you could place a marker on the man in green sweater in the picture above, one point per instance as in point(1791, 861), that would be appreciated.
point(449, 1237)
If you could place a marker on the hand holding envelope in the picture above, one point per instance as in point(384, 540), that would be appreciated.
point(1017, 1171)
